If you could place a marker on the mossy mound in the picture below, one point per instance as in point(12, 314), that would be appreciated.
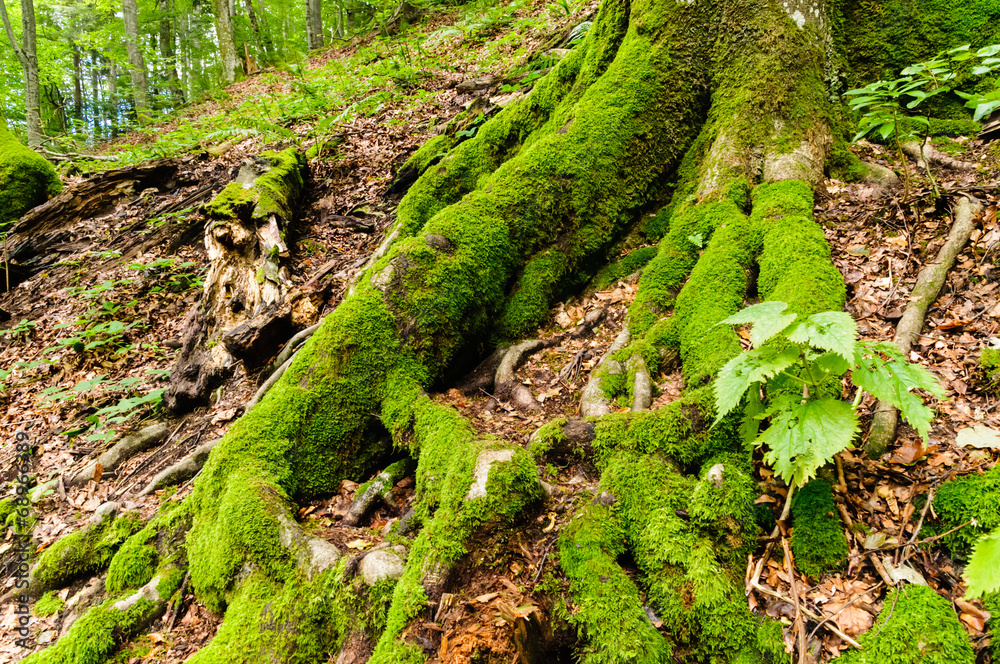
point(623, 267)
point(916, 625)
point(975, 499)
point(26, 178)
point(992, 604)
point(988, 373)
point(49, 604)
point(818, 540)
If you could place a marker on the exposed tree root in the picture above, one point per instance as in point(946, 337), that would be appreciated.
point(122, 451)
point(929, 282)
point(926, 153)
point(181, 471)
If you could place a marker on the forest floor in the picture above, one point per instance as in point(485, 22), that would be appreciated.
point(116, 268)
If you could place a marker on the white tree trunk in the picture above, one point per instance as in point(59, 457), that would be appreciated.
point(314, 23)
point(28, 58)
point(227, 44)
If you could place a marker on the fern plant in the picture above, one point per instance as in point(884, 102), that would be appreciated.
point(784, 378)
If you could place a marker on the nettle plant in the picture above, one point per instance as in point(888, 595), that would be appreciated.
point(787, 378)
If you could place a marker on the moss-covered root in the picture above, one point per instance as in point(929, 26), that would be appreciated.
point(818, 540)
point(992, 604)
point(26, 178)
point(464, 484)
point(95, 637)
point(916, 625)
point(609, 616)
point(85, 551)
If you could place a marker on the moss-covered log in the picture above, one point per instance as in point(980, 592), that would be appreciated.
point(723, 106)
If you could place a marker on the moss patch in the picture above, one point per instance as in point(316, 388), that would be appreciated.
point(818, 540)
point(972, 498)
point(26, 178)
point(915, 625)
point(49, 604)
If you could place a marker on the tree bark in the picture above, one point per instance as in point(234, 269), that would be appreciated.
point(168, 51)
point(137, 63)
point(725, 100)
point(314, 23)
point(28, 57)
point(227, 44)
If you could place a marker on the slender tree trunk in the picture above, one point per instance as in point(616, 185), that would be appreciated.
point(95, 94)
point(137, 64)
point(113, 98)
point(227, 44)
point(262, 53)
point(168, 51)
point(77, 84)
point(28, 57)
point(314, 23)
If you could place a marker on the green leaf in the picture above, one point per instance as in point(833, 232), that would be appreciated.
point(766, 318)
point(834, 331)
point(983, 570)
point(746, 369)
point(881, 370)
point(803, 437)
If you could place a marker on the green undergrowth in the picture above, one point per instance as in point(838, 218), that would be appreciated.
point(26, 178)
point(818, 540)
point(915, 625)
point(992, 604)
point(972, 505)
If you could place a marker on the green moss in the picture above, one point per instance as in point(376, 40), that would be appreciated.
point(690, 537)
point(550, 434)
point(989, 370)
point(795, 265)
point(102, 629)
point(915, 625)
point(623, 267)
point(818, 540)
point(276, 191)
point(26, 178)
point(992, 605)
point(49, 604)
point(295, 621)
point(608, 611)
point(84, 551)
point(844, 164)
point(973, 498)
point(132, 567)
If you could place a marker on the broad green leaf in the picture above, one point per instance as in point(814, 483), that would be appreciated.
point(746, 369)
point(803, 437)
point(983, 571)
point(834, 331)
point(881, 370)
point(886, 130)
point(980, 70)
point(750, 426)
point(766, 318)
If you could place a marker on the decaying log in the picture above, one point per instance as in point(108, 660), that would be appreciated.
point(248, 305)
point(925, 291)
point(99, 194)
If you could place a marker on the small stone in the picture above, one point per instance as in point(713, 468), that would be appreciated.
point(380, 565)
point(438, 242)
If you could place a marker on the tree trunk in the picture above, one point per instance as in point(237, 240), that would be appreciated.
point(137, 64)
point(728, 102)
point(28, 58)
point(77, 86)
point(263, 47)
point(227, 44)
point(314, 23)
point(168, 51)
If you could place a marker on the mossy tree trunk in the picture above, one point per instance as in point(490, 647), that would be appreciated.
point(723, 108)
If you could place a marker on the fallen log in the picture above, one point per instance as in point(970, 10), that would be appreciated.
point(929, 282)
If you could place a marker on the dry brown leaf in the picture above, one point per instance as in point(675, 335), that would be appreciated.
point(852, 620)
